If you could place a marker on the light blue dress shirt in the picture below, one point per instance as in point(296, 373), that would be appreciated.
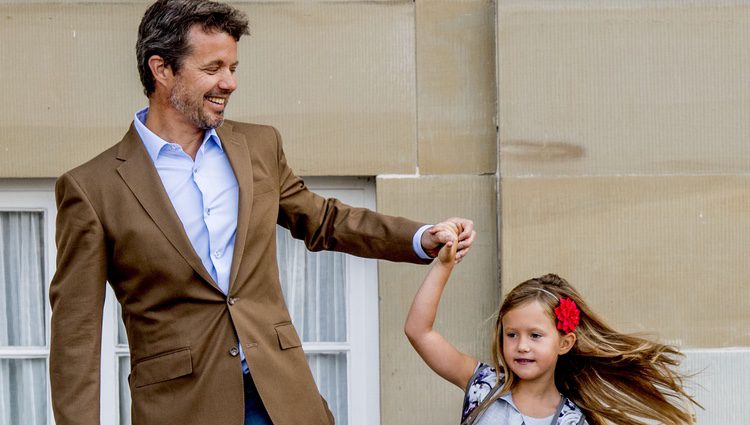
point(210, 184)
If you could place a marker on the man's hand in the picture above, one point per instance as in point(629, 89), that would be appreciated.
point(440, 234)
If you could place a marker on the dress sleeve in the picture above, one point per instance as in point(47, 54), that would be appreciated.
point(479, 386)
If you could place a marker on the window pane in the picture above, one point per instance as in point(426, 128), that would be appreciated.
point(124, 371)
point(23, 391)
point(122, 335)
point(314, 285)
point(329, 371)
point(22, 298)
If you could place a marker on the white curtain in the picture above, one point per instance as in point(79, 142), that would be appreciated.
point(315, 290)
point(124, 390)
point(123, 369)
point(329, 371)
point(23, 381)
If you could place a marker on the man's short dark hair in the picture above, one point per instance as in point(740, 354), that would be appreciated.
point(165, 26)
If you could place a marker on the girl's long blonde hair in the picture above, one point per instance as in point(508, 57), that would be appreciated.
point(613, 377)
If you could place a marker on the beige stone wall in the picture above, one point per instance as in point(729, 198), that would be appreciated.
point(624, 146)
point(70, 72)
point(340, 79)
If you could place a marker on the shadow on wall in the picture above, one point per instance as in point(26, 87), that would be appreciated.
point(529, 150)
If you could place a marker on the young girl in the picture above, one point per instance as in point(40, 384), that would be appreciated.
point(554, 361)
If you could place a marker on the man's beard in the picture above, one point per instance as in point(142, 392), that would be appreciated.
point(192, 110)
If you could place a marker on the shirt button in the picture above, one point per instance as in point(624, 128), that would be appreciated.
point(208, 211)
point(234, 351)
point(173, 147)
point(217, 253)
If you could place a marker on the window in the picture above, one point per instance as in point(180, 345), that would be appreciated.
point(27, 212)
point(333, 299)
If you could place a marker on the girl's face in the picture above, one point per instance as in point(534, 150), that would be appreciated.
point(532, 343)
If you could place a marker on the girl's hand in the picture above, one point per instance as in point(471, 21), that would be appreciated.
point(447, 254)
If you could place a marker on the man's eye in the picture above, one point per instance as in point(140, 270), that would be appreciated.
point(536, 335)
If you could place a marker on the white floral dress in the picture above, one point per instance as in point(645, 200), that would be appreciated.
point(502, 411)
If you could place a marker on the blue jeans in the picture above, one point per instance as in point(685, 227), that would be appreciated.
point(255, 412)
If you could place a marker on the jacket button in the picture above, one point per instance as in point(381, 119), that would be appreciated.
point(231, 300)
point(234, 351)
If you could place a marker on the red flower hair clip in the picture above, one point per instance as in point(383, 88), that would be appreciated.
point(568, 315)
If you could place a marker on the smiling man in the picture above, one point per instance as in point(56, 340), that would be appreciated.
point(180, 218)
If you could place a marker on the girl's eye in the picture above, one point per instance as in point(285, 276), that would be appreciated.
point(536, 335)
point(510, 334)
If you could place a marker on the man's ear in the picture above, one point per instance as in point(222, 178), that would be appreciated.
point(162, 72)
point(567, 342)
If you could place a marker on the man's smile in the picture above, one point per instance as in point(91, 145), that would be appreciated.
point(216, 100)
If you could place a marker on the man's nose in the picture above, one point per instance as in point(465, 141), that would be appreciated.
point(228, 82)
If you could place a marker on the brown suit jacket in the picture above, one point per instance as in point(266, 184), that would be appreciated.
point(116, 223)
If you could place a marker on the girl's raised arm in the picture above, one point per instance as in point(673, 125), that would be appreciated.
point(439, 354)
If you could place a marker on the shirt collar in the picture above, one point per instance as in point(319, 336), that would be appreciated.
point(154, 144)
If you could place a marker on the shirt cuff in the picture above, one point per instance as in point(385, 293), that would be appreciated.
point(416, 243)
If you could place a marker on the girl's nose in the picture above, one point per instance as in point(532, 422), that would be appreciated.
point(523, 345)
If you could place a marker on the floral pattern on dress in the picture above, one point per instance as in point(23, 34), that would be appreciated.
point(484, 380)
point(570, 414)
point(481, 384)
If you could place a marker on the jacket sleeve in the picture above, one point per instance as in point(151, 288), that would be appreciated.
point(329, 224)
point(77, 294)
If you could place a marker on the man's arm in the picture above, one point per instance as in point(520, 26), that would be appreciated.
point(328, 224)
point(77, 294)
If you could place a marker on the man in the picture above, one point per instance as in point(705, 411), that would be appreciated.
point(180, 218)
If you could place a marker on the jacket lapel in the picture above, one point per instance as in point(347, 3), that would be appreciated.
point(141, 177)
point(236, 148)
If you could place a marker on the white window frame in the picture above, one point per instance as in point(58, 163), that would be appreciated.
point(34, 195)
point(363, 329)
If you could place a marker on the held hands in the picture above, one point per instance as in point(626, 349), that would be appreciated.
point(447, 254)
point(457, 234)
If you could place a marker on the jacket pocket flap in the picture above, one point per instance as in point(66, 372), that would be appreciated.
point(163, 367)
point(288, 337)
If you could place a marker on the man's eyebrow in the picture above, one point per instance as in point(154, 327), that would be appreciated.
point(219, 62)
